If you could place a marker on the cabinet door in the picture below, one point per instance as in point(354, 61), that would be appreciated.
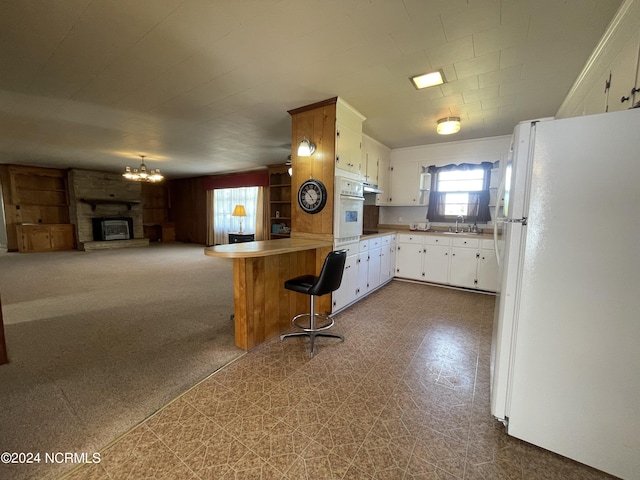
point(623, 77)
point(363, 273)
point(373, 274)
point(463, 267)
point(62, 237)
point(405, 183)
point(409, 260)
point(436, 264)
point(348, 149)
point(487, 271)
point(383, 180)
point(34, 238)
point(347, 291)
point(385, 263)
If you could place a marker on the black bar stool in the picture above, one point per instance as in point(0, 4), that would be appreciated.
point(329, 280)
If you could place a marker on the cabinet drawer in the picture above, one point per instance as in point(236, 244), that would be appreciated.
point(466, 242)
point(387, 240)
point(405, 238)
point(486, 244)
point(351, 248)
point(364, 245)
point(375, 242)
point(436, 240)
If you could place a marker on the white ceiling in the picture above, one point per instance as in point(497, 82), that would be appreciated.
point(203, 86)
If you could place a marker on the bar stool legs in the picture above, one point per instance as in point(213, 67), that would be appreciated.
point(313, 330)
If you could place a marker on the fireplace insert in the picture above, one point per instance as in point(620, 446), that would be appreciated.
point(112, 228)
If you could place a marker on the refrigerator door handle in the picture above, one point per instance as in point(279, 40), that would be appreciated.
point(501, 189)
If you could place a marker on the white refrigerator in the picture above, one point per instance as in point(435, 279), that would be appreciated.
point(565, 360)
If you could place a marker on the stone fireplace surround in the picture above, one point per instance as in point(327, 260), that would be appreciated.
point(98, 194)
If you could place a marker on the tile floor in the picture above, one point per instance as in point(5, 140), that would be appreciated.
point(406, 396)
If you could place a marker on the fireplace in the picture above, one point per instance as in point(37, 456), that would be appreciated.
point(112, 228)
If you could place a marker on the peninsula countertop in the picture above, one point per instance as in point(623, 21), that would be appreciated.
point(265, 248)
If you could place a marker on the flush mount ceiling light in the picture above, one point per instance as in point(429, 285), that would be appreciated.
point(306, 148)
point(448, 125)
point(141, 175)
point(430, 79)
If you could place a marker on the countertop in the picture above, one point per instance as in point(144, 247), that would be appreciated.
point(386, 231)
point(265, 248)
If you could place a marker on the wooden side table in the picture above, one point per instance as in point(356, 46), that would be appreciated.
point(241, 237)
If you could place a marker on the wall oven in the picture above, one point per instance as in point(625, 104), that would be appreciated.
point(349, 207)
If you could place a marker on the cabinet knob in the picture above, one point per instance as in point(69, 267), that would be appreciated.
point(635, 90)
point(624, 99)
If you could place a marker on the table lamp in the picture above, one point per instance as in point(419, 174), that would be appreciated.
point(239, 211)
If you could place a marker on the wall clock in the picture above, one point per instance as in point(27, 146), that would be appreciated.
point(312, 196)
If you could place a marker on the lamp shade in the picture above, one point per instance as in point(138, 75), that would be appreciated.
point(306, 148)
point(448, 125)
point(239, 211)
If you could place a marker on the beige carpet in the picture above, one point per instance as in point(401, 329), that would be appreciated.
point(100, 340)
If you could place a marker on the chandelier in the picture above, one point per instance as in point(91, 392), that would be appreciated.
point(141, 174)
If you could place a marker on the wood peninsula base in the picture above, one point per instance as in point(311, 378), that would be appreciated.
point(263, 307)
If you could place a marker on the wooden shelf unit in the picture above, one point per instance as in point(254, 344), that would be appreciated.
point(279, 200)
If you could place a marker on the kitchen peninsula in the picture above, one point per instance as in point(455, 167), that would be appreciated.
point(262, 306)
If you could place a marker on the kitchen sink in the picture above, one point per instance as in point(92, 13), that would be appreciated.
point(480, 232)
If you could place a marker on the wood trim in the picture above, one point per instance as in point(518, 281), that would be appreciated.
point(3, 346)
point(313, 106)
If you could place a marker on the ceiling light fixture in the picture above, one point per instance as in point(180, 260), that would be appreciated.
point(448, 125)
point(306, 148)
point(141, 175)
point(430, 79)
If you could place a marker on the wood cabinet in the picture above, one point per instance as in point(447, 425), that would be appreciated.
point(279, 202)
point(32, 195)
point(45, 238)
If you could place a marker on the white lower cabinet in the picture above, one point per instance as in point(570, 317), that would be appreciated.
point(487, 267)
point(409, 256)
point(373, 269)
point(458, 261)
point(435, 264)
point(463, 270)
point(369, 264)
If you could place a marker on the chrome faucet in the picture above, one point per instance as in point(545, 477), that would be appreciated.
point(461, 218)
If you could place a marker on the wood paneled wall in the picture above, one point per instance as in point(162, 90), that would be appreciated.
point(263, 307)
point(188, 209)
point(317, 122)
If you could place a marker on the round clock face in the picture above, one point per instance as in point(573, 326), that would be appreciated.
point(312, 196)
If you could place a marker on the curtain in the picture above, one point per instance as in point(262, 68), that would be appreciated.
point(210, 236)
point(477, 206)
point(225, 200)
point(262, 218)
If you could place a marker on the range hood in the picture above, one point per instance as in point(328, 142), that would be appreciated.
point(370, 188)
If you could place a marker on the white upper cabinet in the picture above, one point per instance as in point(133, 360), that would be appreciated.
point(624, 77)
point(348, 138)
point(405, 183)
point(375, 166)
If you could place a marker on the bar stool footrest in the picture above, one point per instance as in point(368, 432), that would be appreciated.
point(326, 318)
